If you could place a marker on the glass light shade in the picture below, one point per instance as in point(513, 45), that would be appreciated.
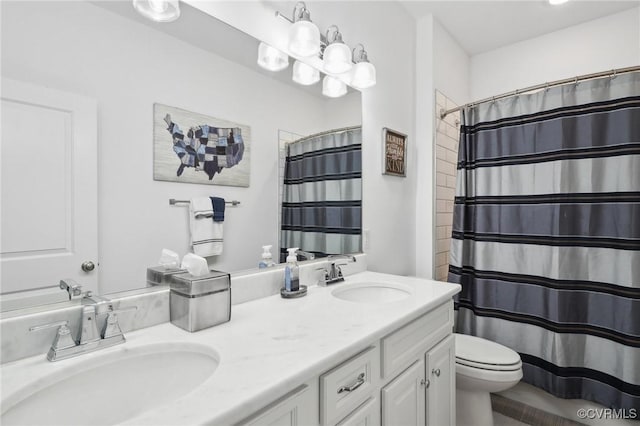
point(304, 38)
point(305, 74)
point(337, 58)
point(158, 10)
point(364, 75)
point(333, 88)
point(271, 58)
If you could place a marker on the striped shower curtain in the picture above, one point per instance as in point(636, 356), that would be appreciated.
point(322, 197)
point(546, 235)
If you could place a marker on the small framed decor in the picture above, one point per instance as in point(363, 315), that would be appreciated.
point(394, 153)
point(196, 148)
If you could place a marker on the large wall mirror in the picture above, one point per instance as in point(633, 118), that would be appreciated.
point(81, 174)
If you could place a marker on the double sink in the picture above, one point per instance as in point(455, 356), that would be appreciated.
point(97, 388)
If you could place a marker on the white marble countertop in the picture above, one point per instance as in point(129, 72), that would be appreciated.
point(269, 347)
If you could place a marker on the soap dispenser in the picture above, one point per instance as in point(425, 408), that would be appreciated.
point(292, 287)
point(267, 259)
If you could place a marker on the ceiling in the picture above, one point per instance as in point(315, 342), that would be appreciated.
point(480, 26)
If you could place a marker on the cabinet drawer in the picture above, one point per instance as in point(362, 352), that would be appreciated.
point(348, 385)
point(402, 347)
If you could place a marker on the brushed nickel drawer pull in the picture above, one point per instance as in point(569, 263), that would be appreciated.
point(355, 385)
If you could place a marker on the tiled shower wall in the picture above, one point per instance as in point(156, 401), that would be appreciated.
point(447, 132)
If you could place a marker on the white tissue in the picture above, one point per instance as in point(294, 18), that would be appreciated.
point(195, 265)
point(169, 259)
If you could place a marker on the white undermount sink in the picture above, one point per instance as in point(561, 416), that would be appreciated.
point(374, 293)
point(110, 388)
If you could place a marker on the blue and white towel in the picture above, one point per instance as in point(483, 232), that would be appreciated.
point(206, 235)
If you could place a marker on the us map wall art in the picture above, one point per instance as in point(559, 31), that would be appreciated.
point(195, 148)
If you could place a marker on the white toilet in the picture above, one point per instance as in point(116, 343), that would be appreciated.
point(482, 367)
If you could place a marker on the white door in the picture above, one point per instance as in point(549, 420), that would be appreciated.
point(403, 399)
point(49, 188)
point(441, 395)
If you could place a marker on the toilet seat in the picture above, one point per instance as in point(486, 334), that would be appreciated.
point(475, 352)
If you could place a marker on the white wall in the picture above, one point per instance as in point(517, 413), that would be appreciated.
point(388, 33)
point(80, 48)
point(441, 64)
point(451, 71)
point(599, 45)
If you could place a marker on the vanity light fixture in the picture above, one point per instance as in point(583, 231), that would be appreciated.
point(337, 55)
point(305, 74)
point(271, 58)
point(304, 35)
point(158, 10)
point(333, 88)
point(557, 2)
point(364, 73)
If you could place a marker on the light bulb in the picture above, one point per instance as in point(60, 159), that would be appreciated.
point(557, 2)
point(333, 88)
point(158, 10)
point(158, 6)
point(305, 74)
point(364, 75)
point(271, 58)
point(304, 39)
point(337, 58)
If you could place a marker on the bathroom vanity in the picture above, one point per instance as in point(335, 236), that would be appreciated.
point(376, 349)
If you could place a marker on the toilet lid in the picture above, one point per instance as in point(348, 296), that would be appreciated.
point(482, 353)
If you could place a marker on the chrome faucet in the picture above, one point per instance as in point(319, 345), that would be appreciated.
point(97, 314)
point(306, 254)
point(333, 271)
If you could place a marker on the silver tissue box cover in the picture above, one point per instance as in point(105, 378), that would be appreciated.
point(200, 302)
point(160, 275)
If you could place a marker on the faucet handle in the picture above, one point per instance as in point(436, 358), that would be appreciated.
point(63, 337)
point(111, 325)
point(62, 323)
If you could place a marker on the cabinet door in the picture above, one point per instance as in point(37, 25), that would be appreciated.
point(403, 400)
point(441, 373)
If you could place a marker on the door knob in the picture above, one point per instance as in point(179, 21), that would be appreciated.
point(88, 266)
point(425, 383)
point(436, 372)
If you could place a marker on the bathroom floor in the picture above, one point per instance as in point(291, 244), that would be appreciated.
point(507, 412)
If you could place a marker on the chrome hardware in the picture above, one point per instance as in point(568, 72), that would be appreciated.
point(63, 340)
point(89, 338)
point(333, 271)
point(436, 372)
point(425, 383)
point(88, 266)
point(353, 386)
point(306, 254)
point(73, 288)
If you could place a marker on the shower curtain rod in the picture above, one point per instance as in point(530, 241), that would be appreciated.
point(326, 132)
point(611, 73)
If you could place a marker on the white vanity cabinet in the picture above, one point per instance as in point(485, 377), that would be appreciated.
point(440, 363)
point(403, 400)
point(405, 378)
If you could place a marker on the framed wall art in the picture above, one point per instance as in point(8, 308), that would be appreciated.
point(394, 153)
point(195, 148)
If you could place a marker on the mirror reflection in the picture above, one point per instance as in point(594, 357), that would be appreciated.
point(79, 87)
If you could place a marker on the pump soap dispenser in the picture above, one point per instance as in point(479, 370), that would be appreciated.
point(292, 287)
point(267, 259)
